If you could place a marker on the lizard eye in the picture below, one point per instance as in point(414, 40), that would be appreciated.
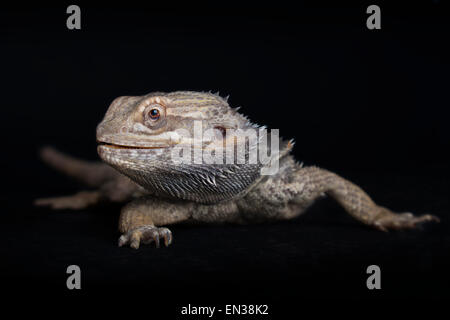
point(153, 114)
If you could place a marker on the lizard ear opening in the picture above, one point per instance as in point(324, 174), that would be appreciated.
point(221, 130)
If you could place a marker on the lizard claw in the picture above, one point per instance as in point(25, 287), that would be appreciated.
point(387, 219)
point(146, 235)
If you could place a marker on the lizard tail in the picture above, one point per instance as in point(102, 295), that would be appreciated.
point(92, 173)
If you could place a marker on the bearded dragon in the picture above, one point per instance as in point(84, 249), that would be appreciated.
point(136, 140)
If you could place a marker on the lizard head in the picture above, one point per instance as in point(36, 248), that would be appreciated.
point(139, 133)
point(163, 120)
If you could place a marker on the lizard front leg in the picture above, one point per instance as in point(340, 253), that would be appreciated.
point(311, 182)
point(142, 219)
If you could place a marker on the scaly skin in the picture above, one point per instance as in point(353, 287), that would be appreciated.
point(137, 142)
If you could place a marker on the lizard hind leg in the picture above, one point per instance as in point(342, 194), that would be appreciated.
point(109, 184)
point(77, 201)
point(91, 173)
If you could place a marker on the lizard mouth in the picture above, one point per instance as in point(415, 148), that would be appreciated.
point(119, 146)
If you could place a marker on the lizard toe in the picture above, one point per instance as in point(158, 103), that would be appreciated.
point(389, 220)
point(146, 235)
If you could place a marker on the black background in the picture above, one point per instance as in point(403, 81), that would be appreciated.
point(367, 104)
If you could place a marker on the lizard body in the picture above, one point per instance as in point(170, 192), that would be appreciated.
point(137, 138)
